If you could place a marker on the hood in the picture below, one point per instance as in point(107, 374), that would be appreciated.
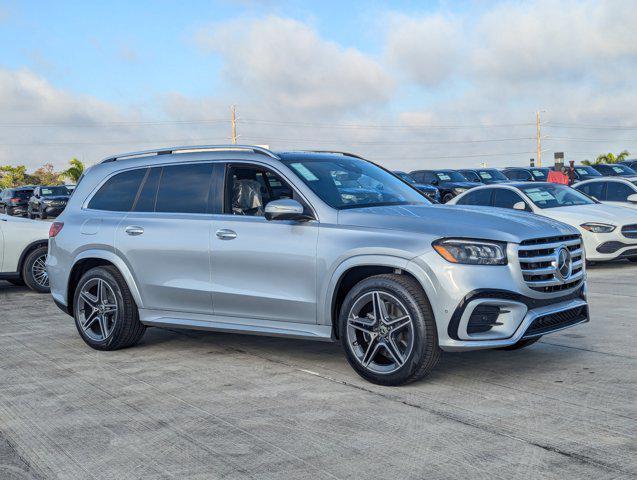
point(491, 182)
point(459, 184)
point(599, 212)
point(486, 223)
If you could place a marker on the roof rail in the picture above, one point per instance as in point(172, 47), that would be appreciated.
point(347, 154)
point(193, 148)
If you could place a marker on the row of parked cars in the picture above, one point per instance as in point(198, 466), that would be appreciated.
point(325, 246)
point(35, 201)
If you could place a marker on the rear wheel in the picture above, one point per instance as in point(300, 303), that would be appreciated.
point(388, 330)
point(521, 344)
point(34, 272)
point(105, 312)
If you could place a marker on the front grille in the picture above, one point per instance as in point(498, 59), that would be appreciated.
point(556, 321)
point(629, 231)
point(538, 263)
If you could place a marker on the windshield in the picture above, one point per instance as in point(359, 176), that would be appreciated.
point(554, 195)
point(450, 176)
point(540, 173)
point(590, 171)
point(49, 191)
point(492, 174)
point(353, 183)
point(623, 170)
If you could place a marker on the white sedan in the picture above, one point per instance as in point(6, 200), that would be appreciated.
point(23, 250)
point(611, 190)
point(609, 232)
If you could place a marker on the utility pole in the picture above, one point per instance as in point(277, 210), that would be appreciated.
point(233, 112)
point(539, 141)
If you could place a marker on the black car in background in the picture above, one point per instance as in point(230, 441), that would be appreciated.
point(448, 182)
point(48, 201)
point(531, 174)
point(632, 163)
point(488, 176)
point(584, 172)
point(615, 170)
point(428, 191)
point(15, 201)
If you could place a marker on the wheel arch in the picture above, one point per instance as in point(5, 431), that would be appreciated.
point(95, 258)
point(355, 269)
point(29, 248)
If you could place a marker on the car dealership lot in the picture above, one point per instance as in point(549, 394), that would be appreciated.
point(207, 405)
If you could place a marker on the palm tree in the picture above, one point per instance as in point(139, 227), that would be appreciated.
point(608, 158)
point(75, 171)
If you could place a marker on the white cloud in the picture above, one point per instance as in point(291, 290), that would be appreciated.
point(284, 62)
point(426, 49)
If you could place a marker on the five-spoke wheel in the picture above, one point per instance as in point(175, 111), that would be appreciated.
point(97, 309)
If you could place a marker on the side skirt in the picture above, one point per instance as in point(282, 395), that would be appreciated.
point(194, 321)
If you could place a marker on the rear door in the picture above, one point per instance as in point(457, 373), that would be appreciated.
point(617, 193)
point(165, 238)
point(262, 269)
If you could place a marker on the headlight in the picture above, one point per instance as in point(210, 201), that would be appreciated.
point(598, 227)
point(47, 201)
point(458, 191)
point(471, 252)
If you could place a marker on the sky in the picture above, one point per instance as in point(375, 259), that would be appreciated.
point(409, 84)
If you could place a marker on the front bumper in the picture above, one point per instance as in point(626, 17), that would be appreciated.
point(608, 246)
point(54, 211)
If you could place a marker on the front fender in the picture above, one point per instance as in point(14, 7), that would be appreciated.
point(121, 266)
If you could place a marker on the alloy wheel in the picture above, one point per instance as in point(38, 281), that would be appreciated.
point(39, 273)
point(97, 309)
point(380, 332)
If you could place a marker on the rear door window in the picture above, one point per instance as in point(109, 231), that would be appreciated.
point(119, 191)
point(185, 189)
point(481, 197)
point(595, 189)
point(505, 198)
point(146, 199)
point(618, 192)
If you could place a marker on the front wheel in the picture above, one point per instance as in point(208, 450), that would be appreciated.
point(388, 331)
point(43, 214)
point(447, 197)
point(105, 312)
point(34, 272)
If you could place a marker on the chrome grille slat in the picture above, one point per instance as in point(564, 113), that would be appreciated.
point(536, 259)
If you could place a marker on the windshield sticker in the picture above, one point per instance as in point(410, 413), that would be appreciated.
point(304, 172)
point(538, 173)
point(581, 171)
point(538, 195)
point(618, 170)
point(444, 176)
point(486, 175)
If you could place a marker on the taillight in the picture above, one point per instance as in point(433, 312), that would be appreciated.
point(56, 227)
point(15, 200)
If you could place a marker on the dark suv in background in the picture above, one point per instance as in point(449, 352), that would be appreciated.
point(448, 182)
point(14, 201)
point(488, 176)
point(533, 174)
point(48, 201)
point(615, 170)
point(428, 191)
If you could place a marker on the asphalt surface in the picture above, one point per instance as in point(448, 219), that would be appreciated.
point(221, 406)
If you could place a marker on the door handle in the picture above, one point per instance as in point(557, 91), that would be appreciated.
point(134, 230)
point(225, 234)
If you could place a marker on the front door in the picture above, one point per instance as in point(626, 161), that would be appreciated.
point(262, 269)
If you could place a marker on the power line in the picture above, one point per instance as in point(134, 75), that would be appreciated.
point(584, 126)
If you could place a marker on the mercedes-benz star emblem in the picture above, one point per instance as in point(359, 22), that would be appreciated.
point(563, 263)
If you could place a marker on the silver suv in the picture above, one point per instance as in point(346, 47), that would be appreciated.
point(312, 245)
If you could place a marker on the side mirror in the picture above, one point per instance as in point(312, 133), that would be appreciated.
point(285, 209)
point(519, 206)
point(435, 182)
point(632, 198)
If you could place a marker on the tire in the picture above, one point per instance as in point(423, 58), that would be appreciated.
point(447, 197)
point(33, 273)
point(30, 214)
point(42, 214)
point(118, 327)
point(521, 344)
point(416, 341)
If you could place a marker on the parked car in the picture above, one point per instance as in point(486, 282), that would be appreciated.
point(15, 201)
point(487, 176)
point(609, 232)
point(195, 237)
point(429, 191)
point(612, 190)
point(585, 172)
point(448, 182)
point(48, 201)
point(23, 250)
point(615, 170)
point(533, 174)
point(631, 163)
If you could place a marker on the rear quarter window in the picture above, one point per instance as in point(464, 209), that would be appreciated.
point(119, 192)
